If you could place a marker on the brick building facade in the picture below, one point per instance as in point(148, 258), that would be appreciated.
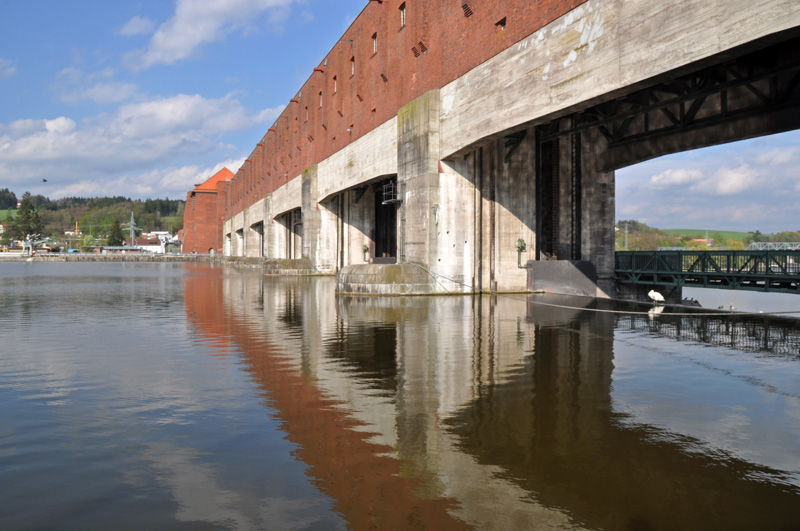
point(395, 51)
point(204, 214)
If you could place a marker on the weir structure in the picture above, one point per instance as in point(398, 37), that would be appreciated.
point(446, 147)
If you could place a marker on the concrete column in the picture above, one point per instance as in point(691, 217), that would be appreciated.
point(514, 210)
point(312, 220)
point(269, 228)
point(227, 236)
point(328, 245)
point(418, 178)
point(598, 211)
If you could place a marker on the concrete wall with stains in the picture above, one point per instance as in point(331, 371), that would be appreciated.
point(457, 123)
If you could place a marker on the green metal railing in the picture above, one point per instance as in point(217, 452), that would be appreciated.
point(777, 271)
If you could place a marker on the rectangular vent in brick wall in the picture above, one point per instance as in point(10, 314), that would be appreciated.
point(467, 10)
point(384, 78)
point(416, 52)
point(422, 47)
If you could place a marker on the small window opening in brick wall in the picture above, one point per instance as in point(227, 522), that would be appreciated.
point(403, 15)
point(501, 24)
point(467, 9)
point(374, 43)
point(353, 66)
point(335, 84)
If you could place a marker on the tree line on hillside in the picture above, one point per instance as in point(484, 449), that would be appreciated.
point(95, 216)
point(642, 237)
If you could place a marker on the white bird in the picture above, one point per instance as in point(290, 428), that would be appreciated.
point(655, 296)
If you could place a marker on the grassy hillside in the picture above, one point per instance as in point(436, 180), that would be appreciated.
point(701, 233)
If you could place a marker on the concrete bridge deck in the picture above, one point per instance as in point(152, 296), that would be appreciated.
point(517, 152)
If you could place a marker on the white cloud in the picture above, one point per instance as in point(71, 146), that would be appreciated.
point(113, 152)
point(730, 181)
point(187, 115)
point(199, 22)
point(7, 68)
point(59, 126)
point(675, 177)
point(173, 182)
point(137, 26)
point(779, 156)
point(109, 92)
point(724, 181)
point(73, 86)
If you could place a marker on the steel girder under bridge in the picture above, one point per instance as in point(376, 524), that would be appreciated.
point(777, 271)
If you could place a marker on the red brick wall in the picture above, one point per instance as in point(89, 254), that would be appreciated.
point(307, 133)
point(202, 222)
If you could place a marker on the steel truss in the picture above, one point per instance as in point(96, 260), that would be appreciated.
point(777, 271)
point(751, 85)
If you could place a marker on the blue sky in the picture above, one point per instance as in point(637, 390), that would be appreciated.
point(145, 99)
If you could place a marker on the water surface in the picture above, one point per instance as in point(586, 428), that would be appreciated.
point(170, 396)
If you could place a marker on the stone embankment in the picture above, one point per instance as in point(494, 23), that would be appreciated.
point(94, 257)
point(268, 266)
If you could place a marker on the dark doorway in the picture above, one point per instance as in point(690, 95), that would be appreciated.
point(547, 200)
point(386, 200)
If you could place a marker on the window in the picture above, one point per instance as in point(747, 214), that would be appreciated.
point(353, 66)
point(320, 98)
point(403, 15)
point(374, 43)
point(335, 84)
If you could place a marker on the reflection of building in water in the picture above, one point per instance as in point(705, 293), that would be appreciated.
point(770, 336)
point(266, 325)
point(492, 412)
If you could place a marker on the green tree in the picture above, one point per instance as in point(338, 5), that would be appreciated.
point(115, 237)
point(27, 221)
point(7, 199)
point(8, 233)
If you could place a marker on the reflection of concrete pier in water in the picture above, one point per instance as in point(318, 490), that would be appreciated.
point(495, 413)
point(554, 430)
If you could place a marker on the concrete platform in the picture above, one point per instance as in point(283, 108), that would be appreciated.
point(385, 279)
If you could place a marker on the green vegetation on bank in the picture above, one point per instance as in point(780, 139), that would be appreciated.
point(701, 233)
point(642, 237)
point(95, 215)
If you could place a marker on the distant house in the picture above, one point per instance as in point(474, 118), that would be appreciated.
point(204, 214)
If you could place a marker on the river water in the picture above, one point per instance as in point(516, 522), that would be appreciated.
point(188, 396)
